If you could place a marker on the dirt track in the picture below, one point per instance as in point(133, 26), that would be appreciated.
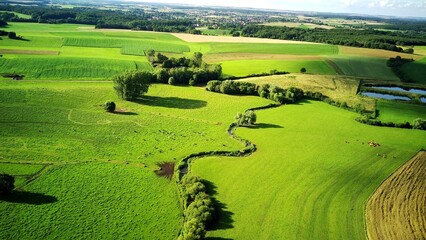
point(397, 210)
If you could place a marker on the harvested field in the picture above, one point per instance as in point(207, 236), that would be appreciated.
point(212, 58)
point(28, 52)
point(397, 210)
point(375, 52)
point(202, 38)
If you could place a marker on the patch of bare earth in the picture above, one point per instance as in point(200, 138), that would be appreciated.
point(225, 39)
point(375, 53)
point(256, 56)
point(166, 169)
point(397, 209)
point(28, 52)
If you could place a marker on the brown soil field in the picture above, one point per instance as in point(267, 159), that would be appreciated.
point(203, 38)
point(212, 58)
point(397, 209)
point(28, 52)
point(339, 88)
point(375, 53)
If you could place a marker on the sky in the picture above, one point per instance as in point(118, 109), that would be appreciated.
point(401, 8)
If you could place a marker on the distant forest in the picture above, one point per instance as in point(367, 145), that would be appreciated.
point(405, 32)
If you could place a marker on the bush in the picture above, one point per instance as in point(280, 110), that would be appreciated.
point(303, 70)
point(7, 184)
point(246, 119)
point(419, 123)
point(172, 81)
point(131, 85)
point(109, 106)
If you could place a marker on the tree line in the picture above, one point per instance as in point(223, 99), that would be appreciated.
point(348, 37)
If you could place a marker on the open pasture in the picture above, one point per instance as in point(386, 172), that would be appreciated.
point(247, 67)
point(415, 71)
point(391, 111)
point(364, 67)
point(397, 209)
point(311, 176)
point(68, 67)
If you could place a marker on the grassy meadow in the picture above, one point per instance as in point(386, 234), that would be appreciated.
point(398, 112)
point(312, 174)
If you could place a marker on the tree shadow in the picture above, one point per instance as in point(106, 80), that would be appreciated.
point(171, 102)
point(265, 125)
point(223, 218)
point(28, 198)
point(126, 113)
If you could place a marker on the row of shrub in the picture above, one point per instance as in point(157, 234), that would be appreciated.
point(418, 123)
point(198, 208)
point(277, 94)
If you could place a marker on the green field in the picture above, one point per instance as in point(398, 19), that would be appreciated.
point(366, 67)
point(400, 112)
point(273, 48)
point(415, 71)
point(246, 67)
point(309, 179)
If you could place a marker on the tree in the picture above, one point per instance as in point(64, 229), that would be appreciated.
point(419, 123)
point(197, 59)
point(7, 184)
point(109, 106)
point(251, 117)
point(131, 85)
point(12, 35)
point(172, 81)
point(246, 119)
point(151, 55)
point(303, 70)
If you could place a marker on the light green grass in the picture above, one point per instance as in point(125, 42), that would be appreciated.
point(33, 42)
point(20, 169)
point(215, 32)
point(68, 67)
point(390, 111)
point(274, 48)
point(305, 181)
point(246, 67)
point(20, 15)
point(415, 71)
point(97, 201)
point(367, 67)
point(42, 27)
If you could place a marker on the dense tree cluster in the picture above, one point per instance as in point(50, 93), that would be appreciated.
point(183, 70)
point(132, 85)
point(396, 65)
point(348, 37)
point(277, 94)
point(199, 211)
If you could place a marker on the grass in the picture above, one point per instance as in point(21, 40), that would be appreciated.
point(274, 48)
point(390, 111)
point(102, 164)
point(311, 176)
point(246, 67)
point(415, 71)
point(20, 15)
point(215, 32)
point(366, 67)
point(119, 201)
point(68, 67)
point(396, 209)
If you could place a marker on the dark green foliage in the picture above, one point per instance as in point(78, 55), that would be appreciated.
point(348, 37)
point(109, 106)
point(132, 85)
point(3, 23)
point(199, 210)
point(171, 81)
point(396, 65)
point(419, 123)
point(303, 70)
point(12, 35)
point(247, 119)
point(7, 184)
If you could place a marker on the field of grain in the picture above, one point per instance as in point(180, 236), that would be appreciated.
point(310, 177)
point(367, 52)
point(397, 209)
point(247, 67)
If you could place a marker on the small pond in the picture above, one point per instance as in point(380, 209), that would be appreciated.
point(423, 100)
point(412, 90)
point(385, 96)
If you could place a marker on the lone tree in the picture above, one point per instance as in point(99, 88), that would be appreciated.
point(7, 184)
point(109, 106)
point(303, 70)
point(247, 119)
point(132, 85)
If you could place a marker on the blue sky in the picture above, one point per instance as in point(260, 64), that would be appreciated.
point(410, 8)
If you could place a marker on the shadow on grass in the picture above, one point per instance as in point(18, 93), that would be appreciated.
point(171, 102)
point(28, 198)
point(223, 216)
point(126, 113)
point(265, 125)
